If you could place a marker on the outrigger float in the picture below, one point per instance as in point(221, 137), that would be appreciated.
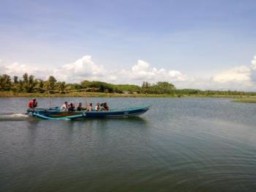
point(55, 113)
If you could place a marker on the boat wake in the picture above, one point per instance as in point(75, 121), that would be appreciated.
point(13, 116)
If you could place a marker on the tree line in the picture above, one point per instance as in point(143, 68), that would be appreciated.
point(30, 84)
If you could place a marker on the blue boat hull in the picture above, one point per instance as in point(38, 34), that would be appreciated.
point(55, 113)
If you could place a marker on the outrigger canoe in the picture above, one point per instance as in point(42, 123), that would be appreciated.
point(55, 113)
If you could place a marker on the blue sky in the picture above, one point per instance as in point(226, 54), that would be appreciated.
point(192, 43)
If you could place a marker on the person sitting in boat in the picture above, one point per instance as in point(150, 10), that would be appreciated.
point(64, 107)
point(32, 104)
point(106, 108)
point(79, 107)
point(97, 107)
point(102, 107)
point(89, 107)
point(71, 107)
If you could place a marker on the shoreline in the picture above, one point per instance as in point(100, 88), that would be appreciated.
point(236, 98)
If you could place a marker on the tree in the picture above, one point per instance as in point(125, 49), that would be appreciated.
point(49, 85)
point(127, 88)
point(85, 84)
point(15, 85)
point(145, 87)
point(5, 82)
point(61, 86)
point(158, 88)
point(164, 87)
point(15, 79)
point(52, 82)
point(28, 83)
point(39, 87)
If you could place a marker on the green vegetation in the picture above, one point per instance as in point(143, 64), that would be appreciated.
point(251, 99)
point(29, 86)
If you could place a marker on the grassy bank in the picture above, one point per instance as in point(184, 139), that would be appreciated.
point(80, 94)
point(251, 99)
point(238, 98)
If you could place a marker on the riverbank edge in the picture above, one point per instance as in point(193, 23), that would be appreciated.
point(235, 98)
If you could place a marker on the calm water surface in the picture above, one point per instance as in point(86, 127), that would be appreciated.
point(178, 145)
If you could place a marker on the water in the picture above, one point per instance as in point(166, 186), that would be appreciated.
point(178, 145)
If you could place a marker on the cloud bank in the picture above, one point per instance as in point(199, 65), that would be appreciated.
point(142, 71)
point(237, 78)
point(83, 68)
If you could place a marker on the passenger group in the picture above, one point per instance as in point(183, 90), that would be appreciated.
point(32, 104)
point(71, 107)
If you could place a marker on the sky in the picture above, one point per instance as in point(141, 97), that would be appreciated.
point(195, 44)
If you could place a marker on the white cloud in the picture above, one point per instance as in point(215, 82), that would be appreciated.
point(142, 71)
point(17, 69)
point(237, 74)
point(83, 68)
point(237, 78)
point(177, 75)
point(254, 63)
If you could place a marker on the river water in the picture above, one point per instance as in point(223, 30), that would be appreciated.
point(186, 144)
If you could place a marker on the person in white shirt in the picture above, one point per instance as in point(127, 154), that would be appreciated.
point(97, 107)
point(64, 107)
point(89, 107)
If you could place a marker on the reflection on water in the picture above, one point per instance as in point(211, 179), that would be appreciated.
point(178, 145)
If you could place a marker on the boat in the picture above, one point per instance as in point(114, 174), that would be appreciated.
point(55, 113)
